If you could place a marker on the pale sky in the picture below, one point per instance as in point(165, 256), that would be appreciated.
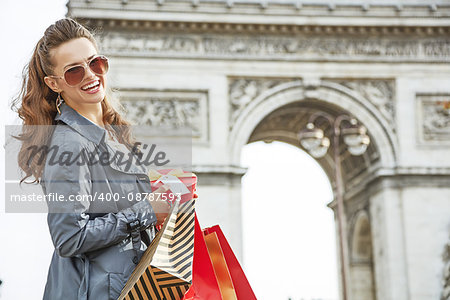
point(288, 230)
point(289, 238)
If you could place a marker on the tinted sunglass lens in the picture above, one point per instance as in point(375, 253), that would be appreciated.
point(74, 75)
point(99, 65)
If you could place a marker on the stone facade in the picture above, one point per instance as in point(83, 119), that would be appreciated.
point(233, 80)
point(446, 277)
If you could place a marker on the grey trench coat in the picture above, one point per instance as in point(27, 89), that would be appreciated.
point(98, 242)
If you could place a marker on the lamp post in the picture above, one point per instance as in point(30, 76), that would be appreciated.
point(356, 138)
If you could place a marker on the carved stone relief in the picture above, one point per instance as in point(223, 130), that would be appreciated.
point(169, 111)
point(273, 47)
point(433, 118)
point(243, 90)
point(381, 93)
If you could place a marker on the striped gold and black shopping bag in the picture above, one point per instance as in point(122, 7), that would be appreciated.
point(165, 270)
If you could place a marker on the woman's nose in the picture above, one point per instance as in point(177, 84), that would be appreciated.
point(89, 73)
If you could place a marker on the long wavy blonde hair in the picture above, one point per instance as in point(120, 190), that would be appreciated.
point(35, 102)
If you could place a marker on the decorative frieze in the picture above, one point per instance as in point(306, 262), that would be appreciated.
point(270, 47)
point(433, 118)
point(168, 112)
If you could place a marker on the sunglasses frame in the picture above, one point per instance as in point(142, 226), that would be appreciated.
point(84, 65)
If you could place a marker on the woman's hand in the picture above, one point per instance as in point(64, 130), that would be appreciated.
point(160, 207)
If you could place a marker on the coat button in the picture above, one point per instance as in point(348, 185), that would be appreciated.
point(135, 259)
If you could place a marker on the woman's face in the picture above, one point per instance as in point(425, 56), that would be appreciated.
point(76, 51)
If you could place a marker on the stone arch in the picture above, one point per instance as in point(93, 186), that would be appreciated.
point(326, 92)
point(301, 98)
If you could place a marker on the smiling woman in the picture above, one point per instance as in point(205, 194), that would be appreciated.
point(97, 244)
point(57, 72)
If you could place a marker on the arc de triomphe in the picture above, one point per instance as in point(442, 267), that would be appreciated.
point(235, 72)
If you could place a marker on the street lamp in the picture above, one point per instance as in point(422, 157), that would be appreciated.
point(356, 138)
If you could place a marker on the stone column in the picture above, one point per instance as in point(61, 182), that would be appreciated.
point(388, 234)
point(220, 202)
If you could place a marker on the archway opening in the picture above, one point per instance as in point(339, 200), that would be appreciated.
point(289, 232)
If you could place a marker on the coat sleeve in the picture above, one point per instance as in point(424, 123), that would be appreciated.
point(71, 229)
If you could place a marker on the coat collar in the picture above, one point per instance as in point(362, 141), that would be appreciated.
point(83, 126)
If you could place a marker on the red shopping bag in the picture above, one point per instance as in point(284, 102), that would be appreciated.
point(223, 275)
point(241, 285)
point(229, 281)
point(204, 283)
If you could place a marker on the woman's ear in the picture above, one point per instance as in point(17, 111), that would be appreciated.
point(52, 84)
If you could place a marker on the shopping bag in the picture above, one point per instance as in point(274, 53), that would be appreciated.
point(231, 281)
point(165, 269)
point(181, 183)
point(174, 259)
point(184, 262)
point(240, 283)
point(204, 283)
point(221, 271)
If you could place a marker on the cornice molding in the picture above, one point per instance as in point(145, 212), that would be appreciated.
point(255, 28)
point(397, 9)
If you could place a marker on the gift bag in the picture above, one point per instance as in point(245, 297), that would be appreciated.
point(165, 269)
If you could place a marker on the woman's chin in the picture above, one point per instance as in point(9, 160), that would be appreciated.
point(94, 98)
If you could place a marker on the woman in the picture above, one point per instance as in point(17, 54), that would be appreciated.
point(98, 242)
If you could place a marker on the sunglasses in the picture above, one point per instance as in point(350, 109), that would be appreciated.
point(75, 74)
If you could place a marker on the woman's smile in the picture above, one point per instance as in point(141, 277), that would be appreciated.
point(92, 87)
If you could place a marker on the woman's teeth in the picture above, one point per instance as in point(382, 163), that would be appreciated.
point(89, 86)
